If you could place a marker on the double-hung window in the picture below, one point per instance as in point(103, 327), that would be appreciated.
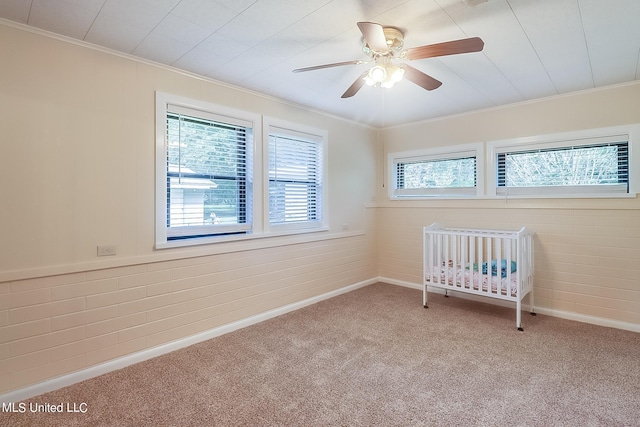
point(295, 178)
point(575, 167)
point(204, 185)
point(436, 172)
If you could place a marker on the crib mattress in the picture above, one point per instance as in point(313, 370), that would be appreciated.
point(472, 280)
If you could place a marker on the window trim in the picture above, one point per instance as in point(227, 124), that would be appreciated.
point(294, 129)
point(560, 140)
point(166, 101)
point(435, 154)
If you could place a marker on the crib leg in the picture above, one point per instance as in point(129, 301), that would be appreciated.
point(424, 297)
point(446, 293)
point(519, 315)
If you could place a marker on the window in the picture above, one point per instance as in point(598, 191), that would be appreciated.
point(215, 184)
point(205, 169)
point(589, 166)
point(436, 173)
point(591, 163)
point(295, 178)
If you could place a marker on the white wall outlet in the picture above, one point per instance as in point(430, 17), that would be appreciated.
point(106, 250)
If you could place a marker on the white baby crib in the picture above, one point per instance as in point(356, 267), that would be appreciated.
point(492, 263)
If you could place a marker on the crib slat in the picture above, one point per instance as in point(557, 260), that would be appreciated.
point(453, 261)
point(498, 277)
point(508, 279)
point(488, 261)
point(472, 260)
point(431, 243)
point(480, 261)
point(440, 249)
point(463, 259)
point(446, 256)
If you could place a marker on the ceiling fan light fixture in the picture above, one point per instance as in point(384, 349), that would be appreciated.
point(384, 75)
point(396, 73)
point(378, 73)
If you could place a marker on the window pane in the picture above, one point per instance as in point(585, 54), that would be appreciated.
point(294, 180)
point(292, 202)
point(450, 173)
point(224, 205)
point(206, 174)
point(205, 148)
point(570, 166)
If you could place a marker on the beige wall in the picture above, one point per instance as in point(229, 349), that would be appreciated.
point(78, 171)
point(587, 251)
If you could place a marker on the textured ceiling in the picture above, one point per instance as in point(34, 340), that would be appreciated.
point(533, 48)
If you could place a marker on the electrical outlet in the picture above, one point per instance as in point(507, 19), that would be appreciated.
point(106, 250)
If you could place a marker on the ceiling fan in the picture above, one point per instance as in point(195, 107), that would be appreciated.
point(384, 46)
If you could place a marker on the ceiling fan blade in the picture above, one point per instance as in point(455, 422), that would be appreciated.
point(421, 79)
point(355, 87)
point(373, 34)
point(474, 44)
point(335, 64)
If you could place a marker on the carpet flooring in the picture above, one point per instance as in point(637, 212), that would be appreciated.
point(373, 357)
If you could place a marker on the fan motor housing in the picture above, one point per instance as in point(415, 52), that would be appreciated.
point(395, 41)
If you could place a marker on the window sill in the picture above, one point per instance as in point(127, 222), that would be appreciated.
point(225, 240)
point(518, 197)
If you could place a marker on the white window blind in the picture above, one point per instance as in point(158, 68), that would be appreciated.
point(208, 168)
point(295, 178)
point(577, 168)
point(446, 175)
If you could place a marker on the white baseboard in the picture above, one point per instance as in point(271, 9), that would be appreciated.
point(400, 283)
point(584, 318)
point(599, 321)
point(122, 362)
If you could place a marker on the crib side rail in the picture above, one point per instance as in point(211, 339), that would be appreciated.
point(476, 232)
